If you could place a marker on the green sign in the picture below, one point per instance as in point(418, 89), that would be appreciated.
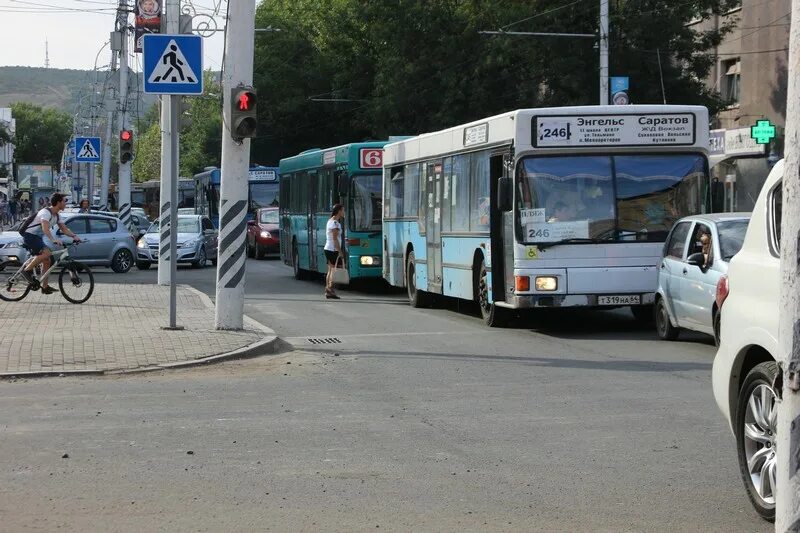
point(763, 132)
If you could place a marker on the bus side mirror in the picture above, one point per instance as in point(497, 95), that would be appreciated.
point(343, 183)
point(504, 194)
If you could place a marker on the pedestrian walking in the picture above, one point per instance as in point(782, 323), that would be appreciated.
point(333, 248)
point(12, 210)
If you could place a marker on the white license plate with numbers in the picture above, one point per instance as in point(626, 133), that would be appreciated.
point(619, 299)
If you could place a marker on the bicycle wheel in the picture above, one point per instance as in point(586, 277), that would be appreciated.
point(76, 283)
point(13, 287)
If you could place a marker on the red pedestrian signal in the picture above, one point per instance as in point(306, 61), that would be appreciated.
point(244, 116)
point(125, 135)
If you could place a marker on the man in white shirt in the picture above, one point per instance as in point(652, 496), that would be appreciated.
point(39, 238)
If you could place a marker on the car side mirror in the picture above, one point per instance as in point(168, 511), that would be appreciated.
point(696, 260)
point(504, 191)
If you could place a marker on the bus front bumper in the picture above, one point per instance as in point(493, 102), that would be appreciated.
point(530, 301)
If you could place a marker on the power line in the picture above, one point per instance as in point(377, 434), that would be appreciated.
point(542, 14)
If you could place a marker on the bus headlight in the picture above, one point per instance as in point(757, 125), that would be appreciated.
point(546, 283)
point(370, 260)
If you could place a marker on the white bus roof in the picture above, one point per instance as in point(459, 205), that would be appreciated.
point(590, 129)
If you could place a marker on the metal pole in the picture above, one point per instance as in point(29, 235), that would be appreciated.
point(787, 509)
point(238, 63)
point(107, 147)
point(168, 228)
point(172, 14)
point(603, 52)
point(124, 185)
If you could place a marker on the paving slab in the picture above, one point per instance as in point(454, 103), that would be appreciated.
point(119, 329)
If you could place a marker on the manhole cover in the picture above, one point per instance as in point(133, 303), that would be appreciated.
point(324, 340)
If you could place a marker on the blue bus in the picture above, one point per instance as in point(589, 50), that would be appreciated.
point(535, 208)
point(263, 185)
point(311, 183)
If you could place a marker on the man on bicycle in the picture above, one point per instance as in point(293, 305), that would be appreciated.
point(40, 227)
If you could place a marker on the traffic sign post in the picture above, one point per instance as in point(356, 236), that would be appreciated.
point(173, 64)
point(87, 149)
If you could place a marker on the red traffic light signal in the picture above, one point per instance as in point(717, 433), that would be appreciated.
point(244, 116)
point(125, 146)
point(125, 135)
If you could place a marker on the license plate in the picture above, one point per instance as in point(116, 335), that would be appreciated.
point(619, 299)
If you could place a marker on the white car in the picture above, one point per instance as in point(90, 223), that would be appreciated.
point(745, 366)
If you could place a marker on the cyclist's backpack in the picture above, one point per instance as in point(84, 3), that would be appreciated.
point(28, 221)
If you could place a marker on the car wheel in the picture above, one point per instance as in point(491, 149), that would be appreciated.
point(122, 261)
point(143, 265)
point(717, 327)
point(666, 331)
point(492, 315)
point(756, 435)
point(201, 258)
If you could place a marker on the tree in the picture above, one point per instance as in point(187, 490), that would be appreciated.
point(40, 133)
point(147, 163)
point(411, 66)
point(5, 137)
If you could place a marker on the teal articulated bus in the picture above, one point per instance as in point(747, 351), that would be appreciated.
point(310, 184)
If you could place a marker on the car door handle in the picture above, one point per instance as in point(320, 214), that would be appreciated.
point(685, 271)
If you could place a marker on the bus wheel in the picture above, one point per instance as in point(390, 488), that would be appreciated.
point(299, 273)
point(492, 315)
point(416, 298)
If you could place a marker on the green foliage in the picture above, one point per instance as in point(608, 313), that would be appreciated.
point(5, 137)
point(147, 161)
point(411, 66)
point(40, 133)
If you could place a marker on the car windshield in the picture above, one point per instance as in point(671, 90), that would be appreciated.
point(185, 225)
point(731, 237)
point(269, 217)
point(606, 198)
point(367, 204)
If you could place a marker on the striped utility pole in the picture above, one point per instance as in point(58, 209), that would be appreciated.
point(787, 510)
point(238, 72)
point(124, 182)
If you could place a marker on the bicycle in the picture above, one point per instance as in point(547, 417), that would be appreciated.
point(74, 279)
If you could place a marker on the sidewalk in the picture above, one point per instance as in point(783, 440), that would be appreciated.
point(118, 330)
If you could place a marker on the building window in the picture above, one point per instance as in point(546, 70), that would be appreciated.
point(732, 80)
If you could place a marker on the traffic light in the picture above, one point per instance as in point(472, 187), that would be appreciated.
point(244, 121)
point(125, 146)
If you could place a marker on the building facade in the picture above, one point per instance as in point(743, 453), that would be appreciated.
point(751, 73)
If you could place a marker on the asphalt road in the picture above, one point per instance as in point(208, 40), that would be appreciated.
point(383, 417)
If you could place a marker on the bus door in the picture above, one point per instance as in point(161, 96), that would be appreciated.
point(311, 210)
point(501, 230)
point(433, 228)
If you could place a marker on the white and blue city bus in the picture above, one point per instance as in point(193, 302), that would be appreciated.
point(537, 208)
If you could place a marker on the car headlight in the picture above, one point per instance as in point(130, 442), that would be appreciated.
point(546, 283)
point(189, 244)
point(141, 244)
point(265, 235)
point(370, 260)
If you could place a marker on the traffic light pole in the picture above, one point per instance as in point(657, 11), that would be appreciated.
point(787, 508)
point(124, 188)
point(238, 71)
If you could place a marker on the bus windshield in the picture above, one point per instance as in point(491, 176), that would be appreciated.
point(606, 198)
point(263, 194)
point(367, 204)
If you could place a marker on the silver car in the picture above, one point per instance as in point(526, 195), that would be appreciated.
point(696, 255)
point(11, 246)
point(197, 242)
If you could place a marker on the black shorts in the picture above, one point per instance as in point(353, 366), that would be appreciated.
point(331, 257)
point(34, 242)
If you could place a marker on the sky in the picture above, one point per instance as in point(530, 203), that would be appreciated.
point(76, 31)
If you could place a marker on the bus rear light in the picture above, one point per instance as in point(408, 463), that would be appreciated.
point(354, 242)
point(546, 283)
point(522, 283)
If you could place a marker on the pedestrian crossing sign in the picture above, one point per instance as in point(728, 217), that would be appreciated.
point(87, 149)
point(173, 64)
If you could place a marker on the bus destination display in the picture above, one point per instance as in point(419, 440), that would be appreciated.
point(677, 129)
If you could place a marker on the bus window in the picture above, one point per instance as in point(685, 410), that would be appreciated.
point(366, 205)
point(411, 190)
point(479, 202)
point(396, 209)
point(263, 194)
point(459, 194)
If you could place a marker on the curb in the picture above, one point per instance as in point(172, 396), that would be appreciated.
point(270, 344)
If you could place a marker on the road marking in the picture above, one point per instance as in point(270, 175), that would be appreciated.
point(407, 334)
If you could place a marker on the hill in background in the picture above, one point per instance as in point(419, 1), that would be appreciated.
point(58, 88)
